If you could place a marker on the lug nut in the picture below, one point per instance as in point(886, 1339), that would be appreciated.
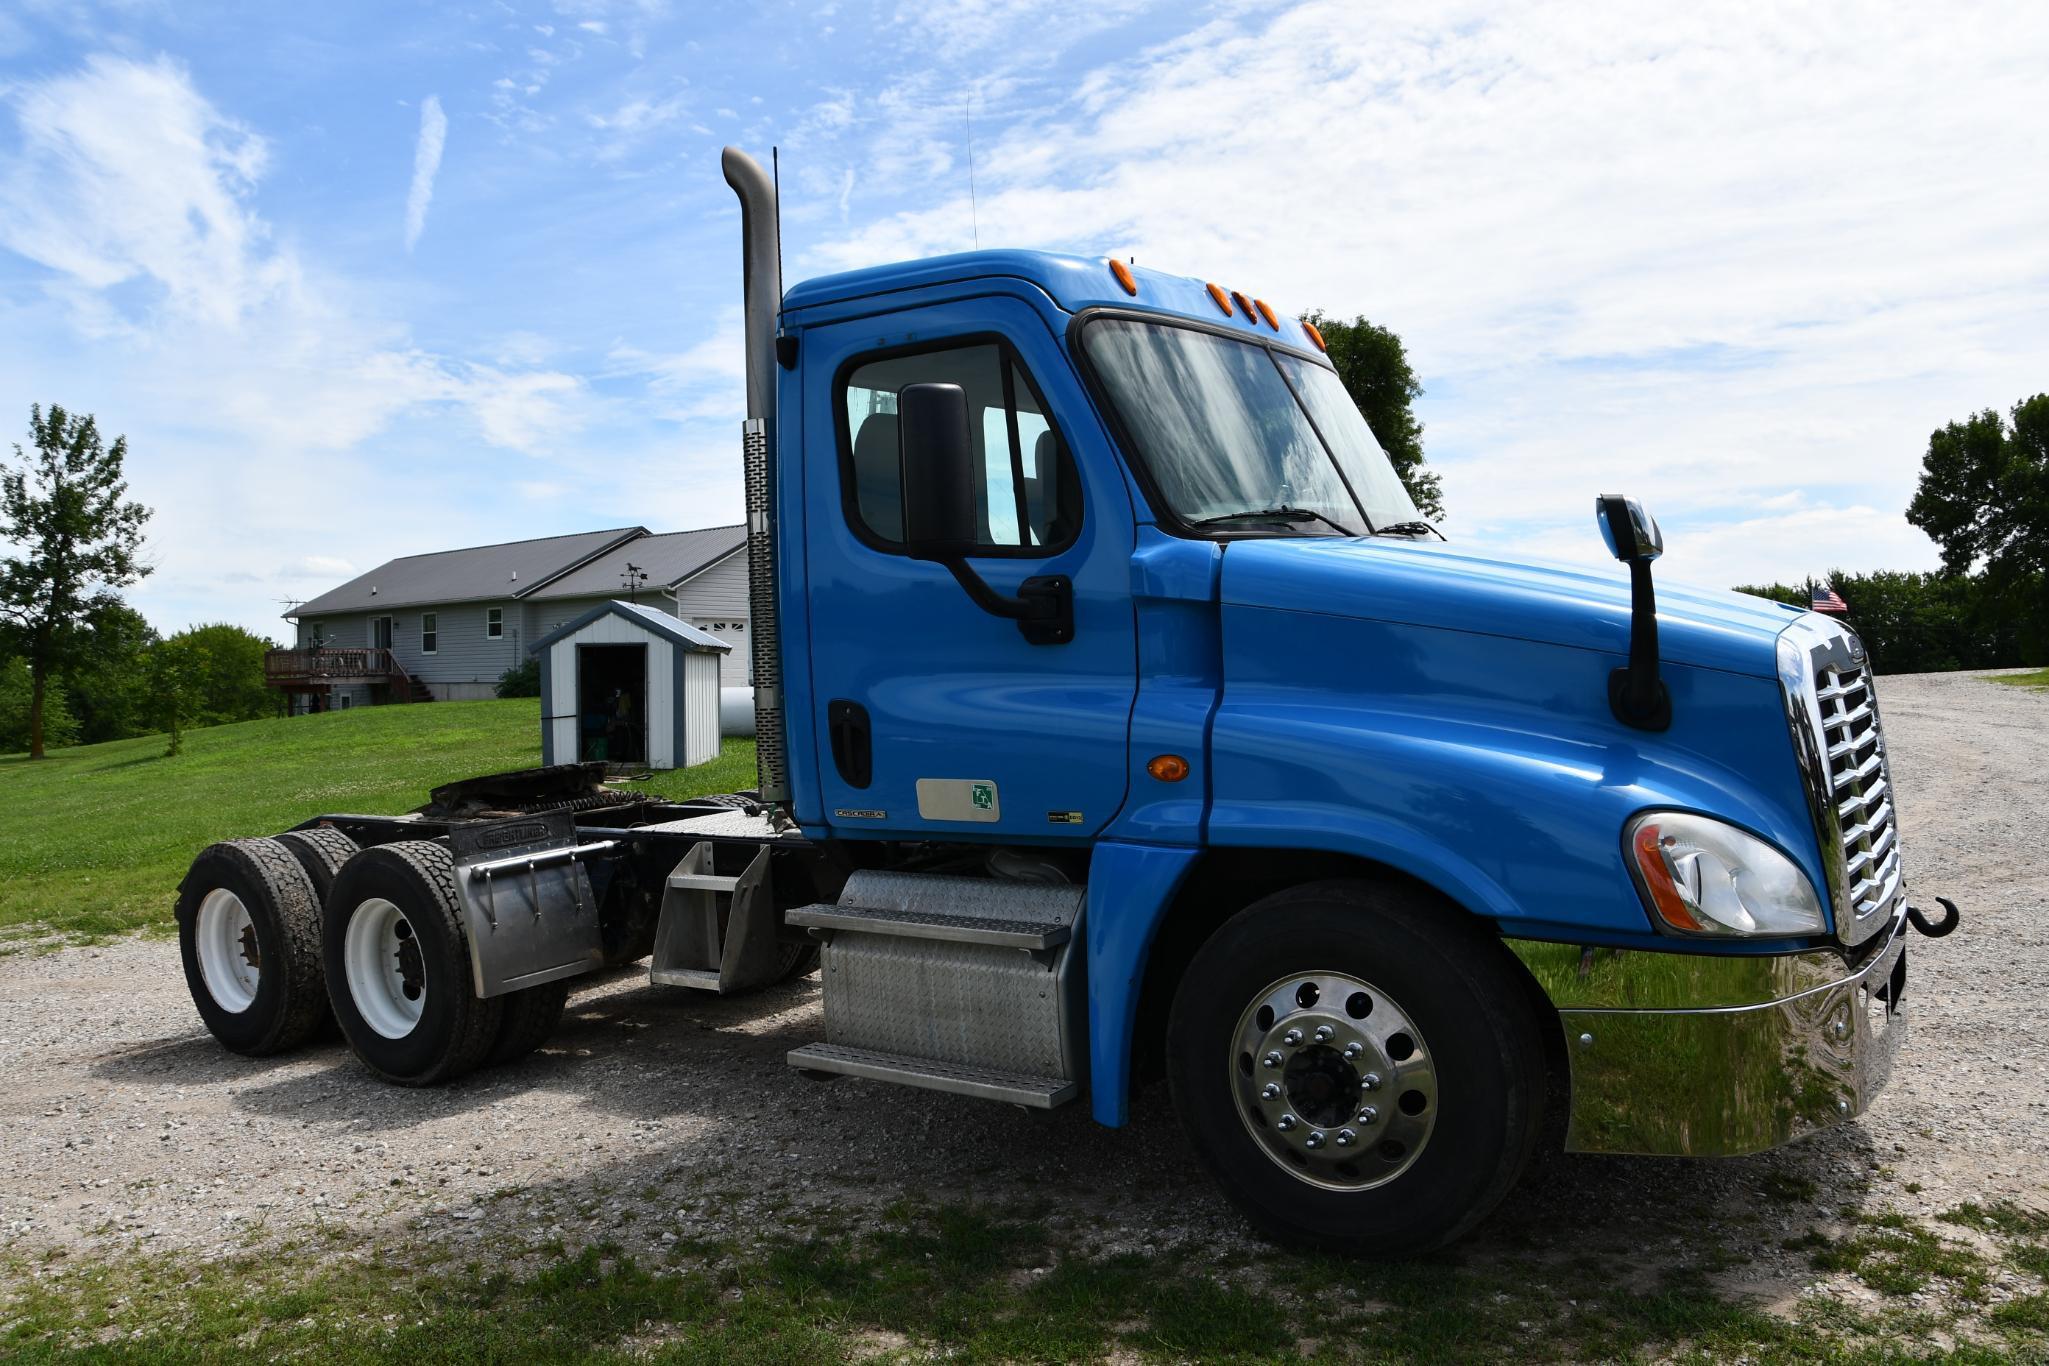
point(1315, 1139)
point(1292, 1037)
point(1272, 1060)
point(1270, 1091)
point(1352, 1052)
point(1285, 1123)
point(1324, 1033)
point(1371, 1081)
point(1346, 1138)
point(1367, 1115)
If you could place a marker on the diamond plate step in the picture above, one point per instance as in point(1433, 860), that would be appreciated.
point(958, 929)
point(1041, 1093)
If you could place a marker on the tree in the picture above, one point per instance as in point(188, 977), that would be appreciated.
point(174, 684)
point(217, 675)
point(521, 680)
point(77, 538)
point(58, 726)
point(1375, 368)
point(107, 676)
point(1984, 493)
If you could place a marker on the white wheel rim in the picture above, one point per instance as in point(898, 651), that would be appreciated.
point(382, 961)
point(230, 962)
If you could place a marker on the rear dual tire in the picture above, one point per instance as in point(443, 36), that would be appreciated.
point(249, 936)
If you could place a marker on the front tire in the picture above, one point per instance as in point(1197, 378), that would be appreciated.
point(1358, 1067)
point(398, 966)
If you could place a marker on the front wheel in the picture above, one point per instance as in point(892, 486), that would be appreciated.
point(1358, 1067)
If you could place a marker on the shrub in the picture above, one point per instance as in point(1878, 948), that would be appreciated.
point(521, 680)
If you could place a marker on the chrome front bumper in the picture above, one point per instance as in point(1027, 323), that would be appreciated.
point(1699, 1056)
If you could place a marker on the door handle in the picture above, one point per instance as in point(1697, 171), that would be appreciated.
point(846, 726)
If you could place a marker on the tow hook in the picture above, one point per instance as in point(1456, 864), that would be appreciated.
point(1939, 928)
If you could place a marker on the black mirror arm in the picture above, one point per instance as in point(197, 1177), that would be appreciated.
point(1636, 694)
point(1043, 608)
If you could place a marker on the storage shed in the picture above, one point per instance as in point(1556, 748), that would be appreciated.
point(630, 685)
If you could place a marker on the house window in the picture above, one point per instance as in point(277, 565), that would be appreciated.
point(430, 636)
point(346, 699)
point(494, 622)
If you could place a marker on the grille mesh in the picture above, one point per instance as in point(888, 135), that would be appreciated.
point(1853, 750)
point(766, 638)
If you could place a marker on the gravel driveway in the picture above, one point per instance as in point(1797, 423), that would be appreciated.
point(658, 1114)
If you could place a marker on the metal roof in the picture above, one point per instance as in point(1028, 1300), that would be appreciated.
point(652, 618)
point(668, 559)
point(512, 569)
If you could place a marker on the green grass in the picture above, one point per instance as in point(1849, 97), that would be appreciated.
point(2037, 679)
point(93, 840)
point(963, 1283)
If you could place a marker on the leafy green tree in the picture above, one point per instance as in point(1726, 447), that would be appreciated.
point(219, 669)
point(78, 539)
point(107, 677)
point(1375, 368)
point(1984, 495)
point(1927, 623)
point(16, 688)
point(174, 684)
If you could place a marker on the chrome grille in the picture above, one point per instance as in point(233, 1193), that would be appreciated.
point(1853, 757)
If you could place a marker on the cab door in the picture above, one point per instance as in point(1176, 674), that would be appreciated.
point(935, 718)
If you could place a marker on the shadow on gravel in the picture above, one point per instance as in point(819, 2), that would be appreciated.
point(193, 1059)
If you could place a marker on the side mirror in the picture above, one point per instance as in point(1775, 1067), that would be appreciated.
point(935, 459)
point(1630, 532)
point(1636, 694)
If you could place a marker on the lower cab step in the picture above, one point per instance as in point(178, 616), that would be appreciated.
point(1041, 1093)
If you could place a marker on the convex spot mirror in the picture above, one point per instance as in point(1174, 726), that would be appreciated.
point(1630, 532)
point(935, 461)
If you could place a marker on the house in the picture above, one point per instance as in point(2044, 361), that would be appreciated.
point(445, 626)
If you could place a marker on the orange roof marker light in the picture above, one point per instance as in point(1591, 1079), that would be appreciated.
point(1268, 314)
point(1245, 307)
point(1123, 274)
point(1316, 336)
point(1221, 299)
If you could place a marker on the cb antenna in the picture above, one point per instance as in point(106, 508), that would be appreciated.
point(974, 213)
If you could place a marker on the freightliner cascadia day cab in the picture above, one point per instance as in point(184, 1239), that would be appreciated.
point(1118, 716)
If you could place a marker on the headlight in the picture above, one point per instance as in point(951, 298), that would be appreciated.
point(1706, 877)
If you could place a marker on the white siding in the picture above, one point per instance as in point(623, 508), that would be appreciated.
point(716, 601)
point(561, 666)
point(700, 708)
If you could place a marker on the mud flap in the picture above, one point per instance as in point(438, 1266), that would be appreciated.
point(526, 901)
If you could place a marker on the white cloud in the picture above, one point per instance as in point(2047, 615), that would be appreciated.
point(250, 379)
point(426, 164)
point(1714, 256)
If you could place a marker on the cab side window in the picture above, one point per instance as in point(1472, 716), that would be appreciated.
point(1031, 499)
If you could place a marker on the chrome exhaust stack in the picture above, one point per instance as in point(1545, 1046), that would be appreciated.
point(762, 286)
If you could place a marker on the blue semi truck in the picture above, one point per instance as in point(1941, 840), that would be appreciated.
point(1118, 717)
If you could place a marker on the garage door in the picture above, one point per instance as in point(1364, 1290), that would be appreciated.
point(738, 661)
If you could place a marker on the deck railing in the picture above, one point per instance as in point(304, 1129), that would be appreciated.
point(331, 664)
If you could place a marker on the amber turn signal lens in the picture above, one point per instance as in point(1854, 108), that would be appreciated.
point(1268, 314)
point(1123, 274)
point(1315, 336)
point(1221, 299)
point(1657, 877)
point(1168, 768)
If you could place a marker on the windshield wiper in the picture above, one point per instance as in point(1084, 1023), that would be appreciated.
point(1408, 529)
point(1291, 515)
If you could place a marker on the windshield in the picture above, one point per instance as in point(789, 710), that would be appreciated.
point(1229, 430)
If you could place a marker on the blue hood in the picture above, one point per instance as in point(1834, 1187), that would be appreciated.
point(1459, 588)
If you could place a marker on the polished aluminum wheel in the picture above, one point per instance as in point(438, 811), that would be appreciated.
point(386, 977)
point(1333, 1080)
point(224, 940)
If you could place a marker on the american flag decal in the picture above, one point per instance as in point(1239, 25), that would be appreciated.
point(1826, 599)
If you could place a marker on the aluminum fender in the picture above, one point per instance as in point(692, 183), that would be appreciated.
point(1488, 767)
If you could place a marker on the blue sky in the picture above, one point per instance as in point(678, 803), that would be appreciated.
point(359, 281)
